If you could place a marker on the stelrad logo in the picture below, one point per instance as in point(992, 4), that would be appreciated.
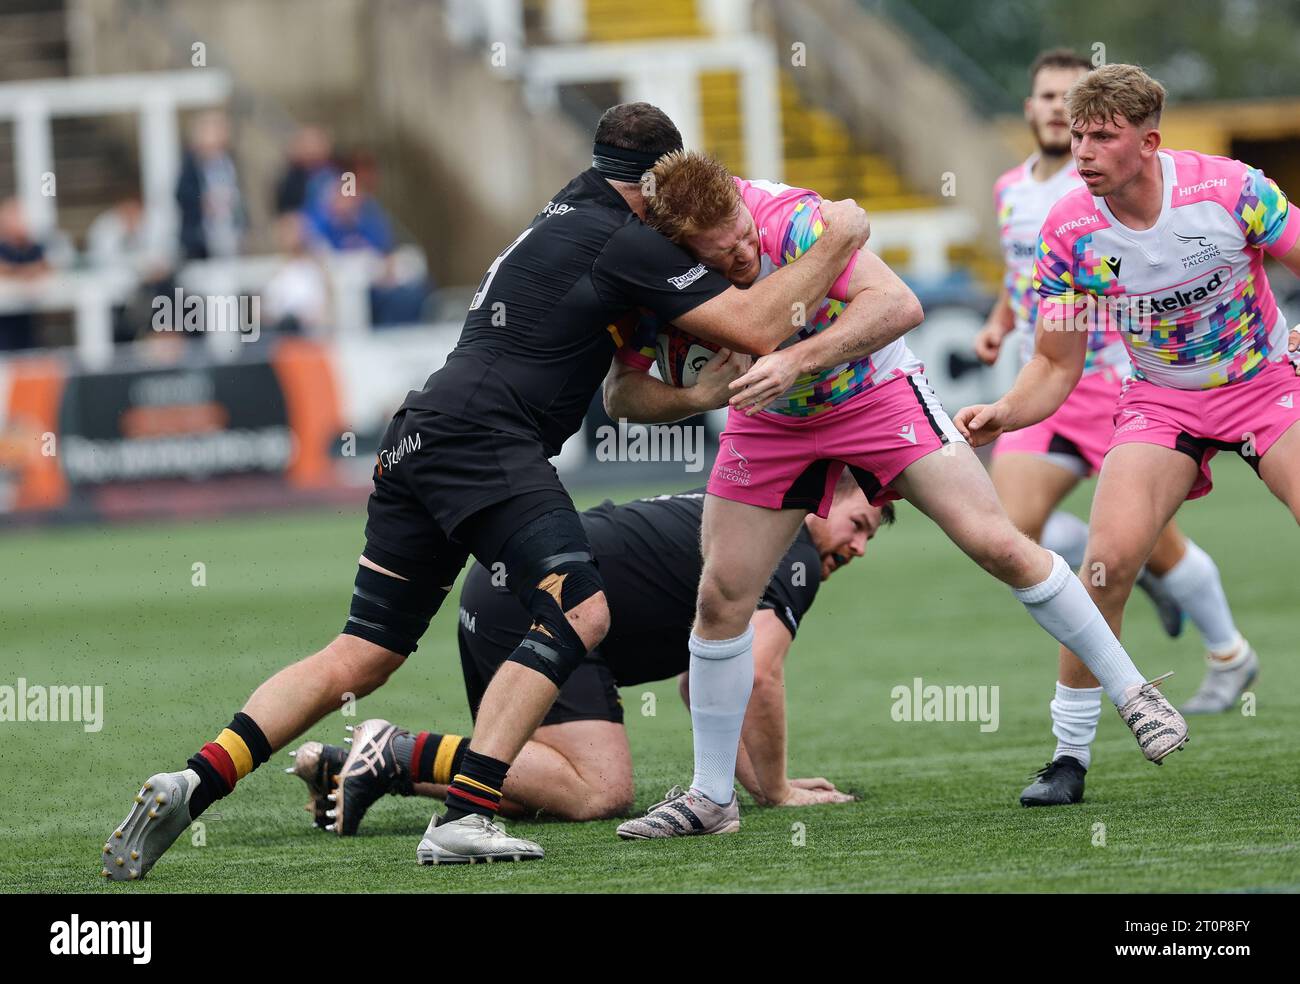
point(101, 938)
point(1181, 295)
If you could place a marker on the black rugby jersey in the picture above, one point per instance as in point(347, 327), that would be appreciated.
point(550, 312)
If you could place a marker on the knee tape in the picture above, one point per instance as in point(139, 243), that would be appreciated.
point(390, 612)
point(552, 647)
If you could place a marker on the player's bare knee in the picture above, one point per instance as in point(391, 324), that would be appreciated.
point(1110, 565)
point(359, 666)
point(600, 801)
point(719, 605)
point(1006, 553)
point(591, 620)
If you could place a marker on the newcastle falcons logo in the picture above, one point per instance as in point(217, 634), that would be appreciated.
point(1200, 241)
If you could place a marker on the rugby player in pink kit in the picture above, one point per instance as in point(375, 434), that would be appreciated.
point(853, 396)
point(1167, 246)
point(1034, 469)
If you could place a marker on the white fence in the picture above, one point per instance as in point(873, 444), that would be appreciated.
point(155, 98)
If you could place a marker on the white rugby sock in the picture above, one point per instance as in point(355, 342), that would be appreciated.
point(722, 676)
point(1061, 605)
point(1075, 714)
point(1066, 534)
point(1194, 583)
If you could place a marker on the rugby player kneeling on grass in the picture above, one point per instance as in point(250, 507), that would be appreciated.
point(578, 766)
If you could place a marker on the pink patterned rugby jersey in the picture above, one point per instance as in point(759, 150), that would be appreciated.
point(789, 222)
point(1022, 204)
point(1189, 295)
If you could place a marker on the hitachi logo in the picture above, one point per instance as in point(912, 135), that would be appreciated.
point(1086, 220)
point(1180, 297)
point(1211, 183)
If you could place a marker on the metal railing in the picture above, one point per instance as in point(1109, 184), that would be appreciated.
point(155, 98)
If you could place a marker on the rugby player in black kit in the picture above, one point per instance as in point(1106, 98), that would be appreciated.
point(463, 470)
point(577, 765)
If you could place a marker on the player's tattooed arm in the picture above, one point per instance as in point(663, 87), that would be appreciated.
point(1060, 349)
point(881, 308)
point(758, 319)
point(634, 395)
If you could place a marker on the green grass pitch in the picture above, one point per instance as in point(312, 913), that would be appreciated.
point(937, 809)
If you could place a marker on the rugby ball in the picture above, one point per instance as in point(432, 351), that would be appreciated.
point(680, 356)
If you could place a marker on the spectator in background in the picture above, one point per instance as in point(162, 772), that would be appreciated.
point(310, 160)
point(125, 235)
point(212, 213)
point(22, 260)
point(343, 215)
point(296, 298)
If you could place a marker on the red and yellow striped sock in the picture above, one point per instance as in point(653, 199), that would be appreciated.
point(476, 788)
point(221, 763)
point(437, 758)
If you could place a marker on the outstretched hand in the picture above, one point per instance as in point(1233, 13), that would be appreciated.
point(981, 424)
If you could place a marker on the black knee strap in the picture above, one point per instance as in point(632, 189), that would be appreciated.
point(391, 612)
point(532, 574)
point(552, 646)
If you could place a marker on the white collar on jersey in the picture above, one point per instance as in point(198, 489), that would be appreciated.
point(1169, 174)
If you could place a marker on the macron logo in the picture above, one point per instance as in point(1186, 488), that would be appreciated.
point(1287, 401)
point(1204, 185)
point(908, 433)
point(1086, 220)
point(688, 278)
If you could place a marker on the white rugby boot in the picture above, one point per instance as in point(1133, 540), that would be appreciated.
point(160, 815)
point(471, 839)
